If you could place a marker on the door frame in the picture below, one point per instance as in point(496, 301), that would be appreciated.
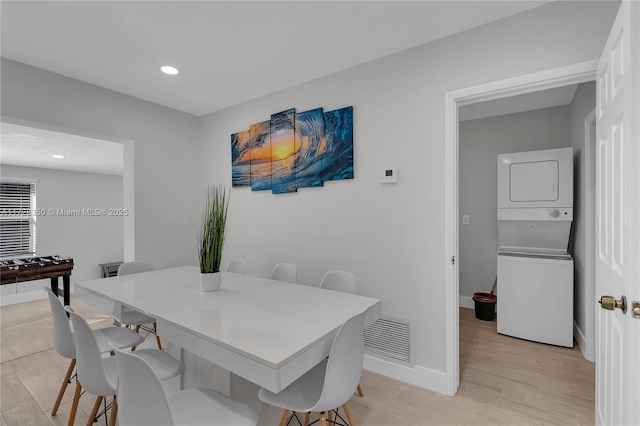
point(543, 80)
point(589, 333)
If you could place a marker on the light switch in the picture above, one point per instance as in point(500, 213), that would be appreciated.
point(465, 219)
point(389, 175)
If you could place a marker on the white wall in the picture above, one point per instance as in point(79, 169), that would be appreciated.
point(583, 102)
point(89, 240)
point(165, 145)
point(391, 237)
point(481, 141)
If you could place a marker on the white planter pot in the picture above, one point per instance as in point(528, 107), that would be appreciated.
point(210, 281)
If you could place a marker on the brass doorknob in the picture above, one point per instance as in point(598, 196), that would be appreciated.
point(610, 303)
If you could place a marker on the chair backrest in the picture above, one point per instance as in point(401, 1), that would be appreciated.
point(141, 399)
point(343, 281)
point(238, 265)
point(134, 267)
point(62, 336)
point(344, 366)
point(284, 272)
point(91, 374)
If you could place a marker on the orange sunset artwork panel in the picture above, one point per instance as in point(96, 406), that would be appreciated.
point(294, 150)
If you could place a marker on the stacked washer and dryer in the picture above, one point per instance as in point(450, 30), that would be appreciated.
point(535, 271)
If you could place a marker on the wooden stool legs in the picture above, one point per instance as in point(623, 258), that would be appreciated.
point(155, 331)
point(114, 412)
point(74, 405)
point(63, 388)
point(94, 411)
point(283, 419)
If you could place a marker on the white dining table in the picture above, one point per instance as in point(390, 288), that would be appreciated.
point(268, 332)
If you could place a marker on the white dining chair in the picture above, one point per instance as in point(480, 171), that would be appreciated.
point(284, 272)
point(63, 340)
point(98, 375)
point(238, 265)
point(345, 282)
point(330, 384)
point(142, 400)
point(131, 317)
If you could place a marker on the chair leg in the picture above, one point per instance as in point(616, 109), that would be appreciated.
point(347, 411)
point(94, 410)
point(114, 412)
point(138, 328)
point(330, 416)
point(322, 421)
point(360, 392)
point(155, 331)
point(283, 419)
point(74, 405)
point(307, 418)
point(63, 388)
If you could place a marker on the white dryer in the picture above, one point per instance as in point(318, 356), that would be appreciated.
point(535, 271)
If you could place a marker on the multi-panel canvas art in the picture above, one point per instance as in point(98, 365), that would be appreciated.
point(294, 150)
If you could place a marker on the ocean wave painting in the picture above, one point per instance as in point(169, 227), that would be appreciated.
point(294, 150)
point(240, 159)
point(283, 155)
point(260, 155)
point(310, 137)
point(337, 157)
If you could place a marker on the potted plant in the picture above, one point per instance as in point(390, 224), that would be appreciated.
point(211, 237)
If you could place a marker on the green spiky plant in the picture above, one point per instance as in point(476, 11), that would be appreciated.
point(212, 232)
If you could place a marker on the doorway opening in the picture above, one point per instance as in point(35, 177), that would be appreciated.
point(84, 187)
point(532, 83)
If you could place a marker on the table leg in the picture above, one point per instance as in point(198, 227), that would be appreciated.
point(54, 285)
point(66, 283)
point(182, 375)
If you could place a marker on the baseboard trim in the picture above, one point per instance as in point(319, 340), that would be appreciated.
point(423, 377)
point(582, 342)
point(27, 296)
point(466, 302)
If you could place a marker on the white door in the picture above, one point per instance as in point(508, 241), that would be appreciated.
point(618, 221)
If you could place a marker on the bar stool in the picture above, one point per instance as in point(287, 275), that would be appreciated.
point(130, 316)
point(63, 340)
point(98, 375)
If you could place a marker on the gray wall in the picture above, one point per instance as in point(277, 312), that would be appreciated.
point(481, 141)
point(89, 240)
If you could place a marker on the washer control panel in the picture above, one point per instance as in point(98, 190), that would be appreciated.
point(559, 213)
point(555, 214)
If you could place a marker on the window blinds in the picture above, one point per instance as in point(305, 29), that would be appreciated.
point(17, 219)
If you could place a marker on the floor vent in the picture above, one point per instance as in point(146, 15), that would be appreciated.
point(390, 338)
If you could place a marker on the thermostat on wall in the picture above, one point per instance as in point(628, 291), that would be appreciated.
point(389, 175)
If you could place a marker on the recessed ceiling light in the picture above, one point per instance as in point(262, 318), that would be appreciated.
point(167, 69)
point(58, 156)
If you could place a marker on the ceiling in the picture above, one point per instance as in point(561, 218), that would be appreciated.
point(31, 147)
point(228, 52)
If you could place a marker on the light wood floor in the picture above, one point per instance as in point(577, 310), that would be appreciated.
point(503, 380)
